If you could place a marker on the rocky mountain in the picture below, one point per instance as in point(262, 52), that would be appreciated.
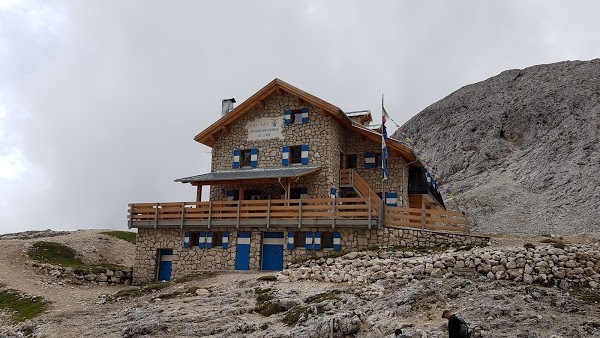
point(520, 150)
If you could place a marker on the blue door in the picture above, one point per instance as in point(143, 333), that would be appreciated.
point(242, 257)
point(166, 264)
point(272, 253)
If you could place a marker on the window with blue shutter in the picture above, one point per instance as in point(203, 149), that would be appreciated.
point(232, 195)
point(225, 241)
point(202, 240)
point(290, 241)
point(304, 115)
point(317, 241)
point(236, 158)
point(309, 241)
point(288, 116)
point(254, 157)
point(186, 240)
point(370, 161)
point(391, 199)
point(285, 159)
point(332, 192)
point(303, 192)
point(337, 241)
point(304, 154)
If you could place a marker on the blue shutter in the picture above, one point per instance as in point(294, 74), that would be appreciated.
point(340, 194)
point(391, 199)
point(202, 240)
point(304, 192)
point(225, 241)
point(317, 240)
point(337, 241)
point(332, 192)
point(236, 158)
point(305, 154)
point(309, 240)
point(304, 115)
point(186, 240)
point(285, 160)
point(254, 157)
point(428, 175)
point(290, 240)
point(209, 238)
point(230, 195)
point(288, 116)
point(370, 161)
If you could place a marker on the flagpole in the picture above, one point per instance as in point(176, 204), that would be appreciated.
point(382, 168)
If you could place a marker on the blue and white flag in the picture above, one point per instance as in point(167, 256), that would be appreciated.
point(384, 151)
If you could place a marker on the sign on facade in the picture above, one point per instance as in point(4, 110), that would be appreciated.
point(265, 128)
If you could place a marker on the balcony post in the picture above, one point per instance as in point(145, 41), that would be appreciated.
point(333, 204)
point(269, 213)
point(156, 216)
point(369, 209)
point(130, 223)
point(300, 213)
point(182, 214)
point(238, 214)
point(209, 213)
point(422, 217)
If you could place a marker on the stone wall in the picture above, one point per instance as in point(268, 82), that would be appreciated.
point(573, 265)
point(189, 260)
point(72, 276)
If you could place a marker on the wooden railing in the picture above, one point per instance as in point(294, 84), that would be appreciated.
point(349, 177)
point(315, 211)
point(425, 219)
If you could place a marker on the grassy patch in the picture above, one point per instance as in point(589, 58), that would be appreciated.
point(555, 242)
point(529, 246)
point(124, 235)
point(293, 316)
point(321, 297)
point(265, 304)
point(21, 307)
point(586, 295)
point(62, 255)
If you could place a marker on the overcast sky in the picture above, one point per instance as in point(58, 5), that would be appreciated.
point(100, 100)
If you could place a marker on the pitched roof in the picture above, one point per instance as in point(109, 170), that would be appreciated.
point(207, 136)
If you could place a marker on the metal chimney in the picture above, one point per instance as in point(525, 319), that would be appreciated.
point(227, 106)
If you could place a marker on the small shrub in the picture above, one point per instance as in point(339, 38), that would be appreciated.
point(124, 235)
point(128, 293)
point(156, 286)
point(270, 308)
point(264, 297)
point(268, 278)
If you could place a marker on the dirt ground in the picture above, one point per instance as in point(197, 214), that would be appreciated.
point(224, 304)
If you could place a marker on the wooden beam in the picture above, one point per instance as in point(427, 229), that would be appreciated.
point(199, 193)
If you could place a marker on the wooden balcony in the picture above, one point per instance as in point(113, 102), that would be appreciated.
point(429, 219)
point(334, 212)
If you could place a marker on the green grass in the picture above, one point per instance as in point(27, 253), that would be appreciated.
point(321, 297)
point(20, 307)
point(124, 235)
point(60, 254)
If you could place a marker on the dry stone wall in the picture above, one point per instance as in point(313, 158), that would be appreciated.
point(72, 276)
point(574, 265)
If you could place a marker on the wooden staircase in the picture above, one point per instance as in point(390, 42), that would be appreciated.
point(349, 178)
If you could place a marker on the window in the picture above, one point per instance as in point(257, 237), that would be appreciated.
point(296, 116)
point(300, 239)
point(327, 240)
point(377, 160)
point(217, 239)
point(296, 193)
point(246, 156)
point(296, 154)
point(351, 161)
point(194, 236)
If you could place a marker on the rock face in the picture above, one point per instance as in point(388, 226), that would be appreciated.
point(520, 150)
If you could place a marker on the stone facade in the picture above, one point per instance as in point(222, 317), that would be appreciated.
point(189, 260)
